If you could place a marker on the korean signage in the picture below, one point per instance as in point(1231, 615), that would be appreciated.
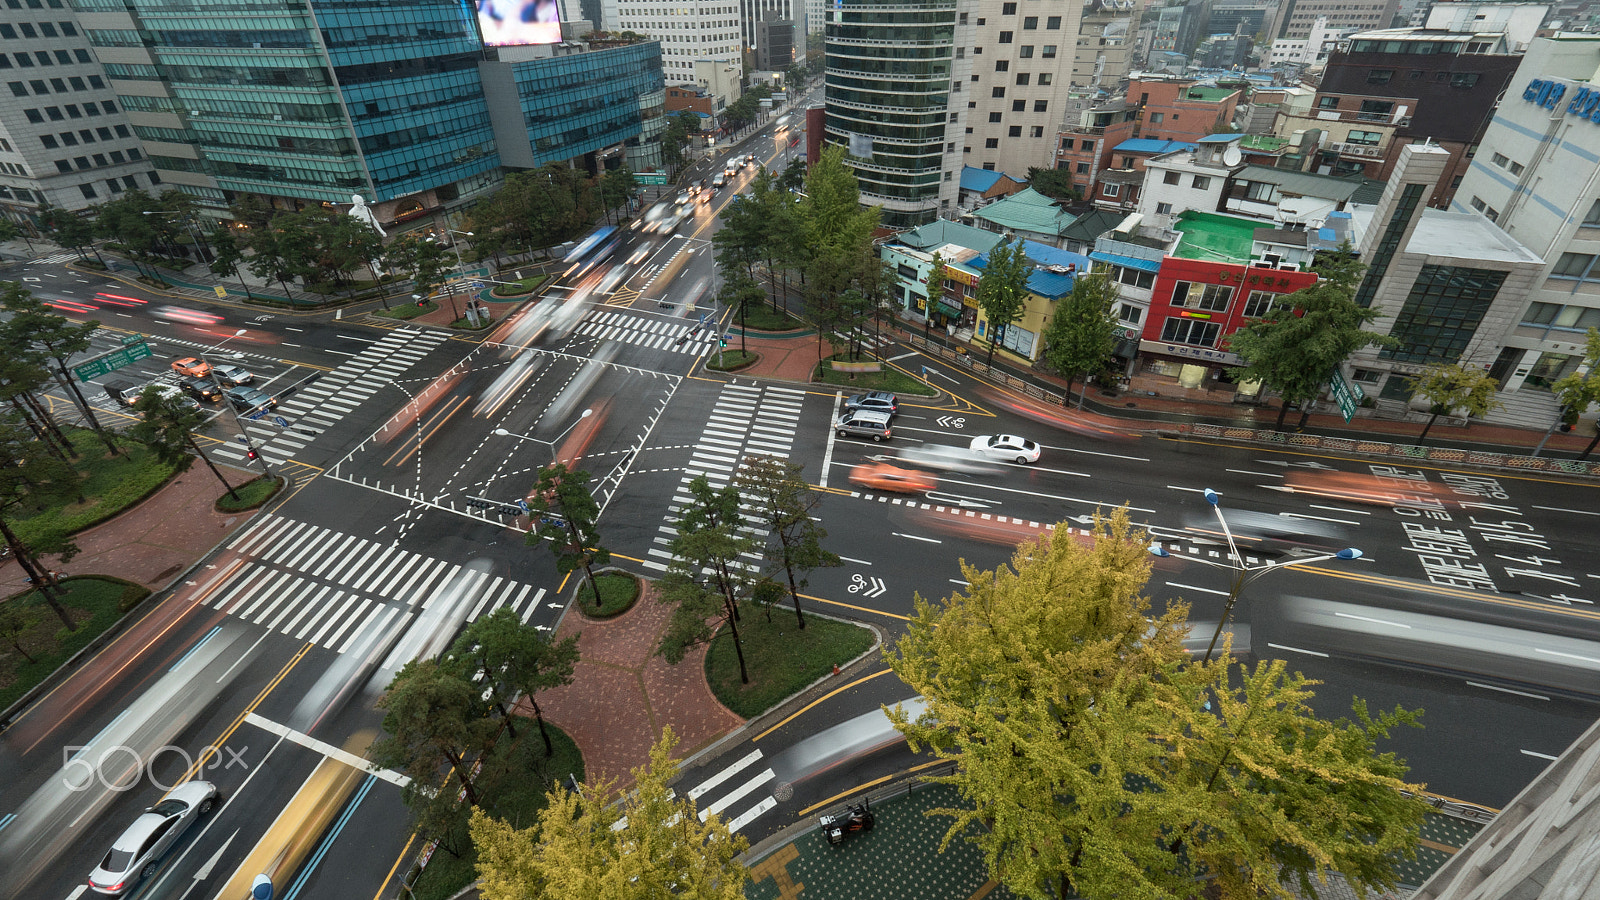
point(1346, 394)
point(1585, 102)
point(1204, 354)
point(126, 355)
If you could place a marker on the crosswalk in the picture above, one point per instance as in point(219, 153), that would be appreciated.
point(746, 420)
point(310, 410)
point(53, 259)
point(327, 587)
point(746, 778)
point(645, 331)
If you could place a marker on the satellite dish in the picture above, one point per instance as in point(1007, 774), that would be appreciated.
point(1232, 156)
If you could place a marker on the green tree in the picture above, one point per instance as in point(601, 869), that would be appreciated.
point(1053, 183)
point(1295, 347)
point(27, 475)
point(783, 502)
point(433, 718)
point(167, 422)
point(616, 187)
point(565, 514)
point(838, 236)
point(1578, 391)
point(1003, 289)
point(69, 230)
point(43, 338)
point(681, 127)
point(933, 287)
point(276, 254)
point(1082, 331)
point(12, 625)
point(1101, 760)
point(226, 257)
point(425, 262)
point(124, 220)
point(10, 231)
point(511, 658)
point(1447, 388)
point(644, 843)
point(737, 294)
point(706, 575)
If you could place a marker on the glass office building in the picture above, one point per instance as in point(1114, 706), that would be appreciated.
point(303, 102)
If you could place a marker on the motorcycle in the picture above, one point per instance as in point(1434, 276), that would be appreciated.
point(855, 817)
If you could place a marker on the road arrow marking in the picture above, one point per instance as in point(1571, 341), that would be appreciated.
point(878, 588)
point(204, 871)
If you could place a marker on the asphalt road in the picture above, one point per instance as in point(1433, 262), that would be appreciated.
point(408, 446)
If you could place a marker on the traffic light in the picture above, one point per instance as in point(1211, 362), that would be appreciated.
point(722, 341)
point(251, 453)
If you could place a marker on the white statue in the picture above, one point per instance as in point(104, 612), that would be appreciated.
point(363, 212)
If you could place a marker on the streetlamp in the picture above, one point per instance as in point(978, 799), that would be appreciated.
point(1244, 574)
point(501, 432)
point(461, 271)
point(249, 446)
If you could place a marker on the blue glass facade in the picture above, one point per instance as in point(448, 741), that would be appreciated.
point(577, 104)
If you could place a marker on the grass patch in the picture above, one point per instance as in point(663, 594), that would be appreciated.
point(465, 325)
point(782, 658)
point(406, 311)
point(618, 592)
point(111, 484)
point(889, 379)
point(519, 288)
point(731, 359)
point(762, 317)
point(94, 603)
point(513, 796)
point(252, 494)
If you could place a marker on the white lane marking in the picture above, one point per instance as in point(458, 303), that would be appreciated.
point(859, 562)
point(737, 794)
point(1504, 690)
point(287, 328)
point(1578, 657)
point(1538, 755)
point(699, 789)
point(749, 815)
point(1174, 487)
point(1320, 518)
point(1341, 509)
point(1581, 512)
point(364, 340)
point(902, 356)
point(1297, 650)
point(1257, 474)
point(1370, 619)
point(1189, 587)
point(305, 740)
point(916, 538)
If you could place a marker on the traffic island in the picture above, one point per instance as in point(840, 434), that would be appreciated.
point(781, 658)
point(250, 495)
point(619, 591)
point(406, 311)
point(732, 360)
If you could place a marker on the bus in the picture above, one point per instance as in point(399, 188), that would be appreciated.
point(592, 250)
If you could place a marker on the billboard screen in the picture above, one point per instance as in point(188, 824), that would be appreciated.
point(510, 22)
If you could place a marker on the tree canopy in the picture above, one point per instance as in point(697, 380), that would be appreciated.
point(1103, 761)
point(1003, 288)
point(1082, 331)
point(1447, 388)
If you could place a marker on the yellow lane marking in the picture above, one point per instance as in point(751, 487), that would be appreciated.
point(802, 710)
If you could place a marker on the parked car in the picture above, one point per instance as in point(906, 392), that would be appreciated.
point(193, 366)
point(869, 423)
point(137, 853)
point(879, 400)
point(233, 376)
point(248, 399)
point(1006, 447)
point(200, 388)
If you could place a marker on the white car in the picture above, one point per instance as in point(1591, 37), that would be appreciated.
point(1006, 447)
point(137, 853)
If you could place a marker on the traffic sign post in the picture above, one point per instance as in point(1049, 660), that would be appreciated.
point(1347, 395)
point(222, 292)
point(131, 351)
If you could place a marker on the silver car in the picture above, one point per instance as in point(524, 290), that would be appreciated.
point(233, 376)
point(137, 853)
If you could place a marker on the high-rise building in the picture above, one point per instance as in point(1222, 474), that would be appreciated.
point(64, 141)
point(774, 44)
point(689, 35)
point(895, 89)
point(1361, 15)
point(1022, 62)
point(753, 12)
point(304, 102)
point(1104, 49)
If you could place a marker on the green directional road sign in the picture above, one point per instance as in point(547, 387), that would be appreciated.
point(650, 178)
point(1347, 395)
point(126, 355)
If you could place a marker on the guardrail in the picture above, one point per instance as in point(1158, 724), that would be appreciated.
point(1456, 809)
point(1479, 458)
point(993, 373)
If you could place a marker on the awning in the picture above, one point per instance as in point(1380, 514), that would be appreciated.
point(945, 309)
point(1128, 262)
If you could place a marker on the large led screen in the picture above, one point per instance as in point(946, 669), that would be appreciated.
point(508, 22)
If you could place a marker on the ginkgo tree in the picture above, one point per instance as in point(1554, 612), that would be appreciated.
point(603, 842)
point(1101, 761)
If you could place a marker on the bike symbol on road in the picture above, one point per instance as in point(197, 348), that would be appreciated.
point(263, 318)
point(952, 422)
point(860, 585)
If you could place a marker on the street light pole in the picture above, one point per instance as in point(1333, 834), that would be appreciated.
point(501, 432)
point(249, 446)
point(1244, 574)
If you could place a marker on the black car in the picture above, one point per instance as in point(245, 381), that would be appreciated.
point(199, 388)
point(248, 399)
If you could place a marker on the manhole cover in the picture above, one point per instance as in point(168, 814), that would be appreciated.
point(783, 791)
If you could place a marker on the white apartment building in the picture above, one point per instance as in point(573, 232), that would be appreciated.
point(1022, 57)
point(1311, 50)
point(688, 34)
point(1537, 175)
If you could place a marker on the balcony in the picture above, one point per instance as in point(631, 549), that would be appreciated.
point(1356, 151)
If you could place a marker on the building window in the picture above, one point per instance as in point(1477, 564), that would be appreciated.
point(991, 143)
point(63, 167)
point(1040, 106)
point(1171, 178)
point(1201, 182)
point(1045, 78)
point(1555, 315)
point(1129, 314)
point(1379, 76)
point(1515, 168)
point(1163, 209)
point(1375, 109)
point(1327, 103)
point(1463, 79)
point(1019, 106)
point(1592, 218)
point(1037, 131)
point(1083, 168)
point(1110, 190)
point(998, 92)
point(1025, 51)
point(1053, 23)
point(1157, 118)
point(1574, 265)
point(48, 141)
point(1259, 303)
point(1365, 138)
point(1002, 65)
point(1190, 331)
point(1207, 297)
point(88, 191)
point(1050, 52)
point(1134, 278)
point(1014, 131)
point(1367, 376)
point(1088, 146)
point(1022, 79)
point(1442, 312)
point(1005, 37)
point(1066, 144)
point(1008, 9)
point(1030, 23)
point(994, 118)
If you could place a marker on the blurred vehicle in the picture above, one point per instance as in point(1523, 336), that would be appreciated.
point(592, 250)
point(685, 198)
point(884, 477)
point(233, 376)
point(192, 366)
point(1360, 487)
point(721, 178)
point(199, 388)
point(137, 853)
point(872, 423)
point(655, 215)
point(186, 316)
point(1006, 447)
point(124, 392)
point(641, 253)
point(879, 400)
point(945, 458)
point(248, 399)
point(1266, 531)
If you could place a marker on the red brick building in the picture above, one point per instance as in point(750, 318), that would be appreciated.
point(1196, 303)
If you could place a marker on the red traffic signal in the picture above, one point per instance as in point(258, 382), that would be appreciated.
point(251, 453)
